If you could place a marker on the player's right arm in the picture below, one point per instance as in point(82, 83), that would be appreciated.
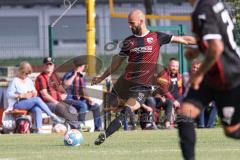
point(213, 53)
point(211, 36)
point(116, 62)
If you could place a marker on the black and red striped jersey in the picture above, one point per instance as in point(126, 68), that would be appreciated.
point(143, 53)
point(211, 20)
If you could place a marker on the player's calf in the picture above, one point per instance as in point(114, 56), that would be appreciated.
point(186, 131)
point(114, 125)
point(187, 136)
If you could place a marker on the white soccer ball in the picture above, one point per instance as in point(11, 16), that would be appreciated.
point(73, 137)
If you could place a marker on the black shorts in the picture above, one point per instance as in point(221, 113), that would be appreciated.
point(125, 89)
point(227, 101)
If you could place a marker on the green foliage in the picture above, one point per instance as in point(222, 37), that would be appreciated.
point(235, 10)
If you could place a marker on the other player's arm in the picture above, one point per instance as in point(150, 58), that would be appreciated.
point(116, 62)
point(188, 40)
point(213, 53)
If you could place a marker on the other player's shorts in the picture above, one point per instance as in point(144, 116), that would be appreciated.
point(227, 101)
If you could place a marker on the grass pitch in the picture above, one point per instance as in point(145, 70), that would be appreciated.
point(132, 145)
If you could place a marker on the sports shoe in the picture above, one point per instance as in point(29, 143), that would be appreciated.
point(57, 119)
point(101, 138)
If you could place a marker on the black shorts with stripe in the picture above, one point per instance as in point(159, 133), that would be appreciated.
point(125, 89)
point(227, 101)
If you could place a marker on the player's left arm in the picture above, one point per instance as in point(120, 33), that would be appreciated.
point(188, 40)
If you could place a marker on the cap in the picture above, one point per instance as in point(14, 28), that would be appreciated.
point(48, 60)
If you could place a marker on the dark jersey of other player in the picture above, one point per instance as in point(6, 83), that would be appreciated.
point(142, 53)
point(211, 20)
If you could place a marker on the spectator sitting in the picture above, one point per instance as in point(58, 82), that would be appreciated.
point(48, 85)
point(50, 89)
point(23, 95)
point(193, 69)
point(76, 95)
point(170, 84)
point(147, 110)
point(207, 116)
point(161, 102)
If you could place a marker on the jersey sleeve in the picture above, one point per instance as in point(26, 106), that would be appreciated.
point(125, 48)
point(163, 38)
point(208, 20)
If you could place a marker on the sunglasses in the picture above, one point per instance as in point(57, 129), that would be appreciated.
point(26, 74)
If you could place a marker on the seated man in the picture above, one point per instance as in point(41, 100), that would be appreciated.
point(76, 94)
point(157, 103)
point(49, 88)
point(208, 116)
point(147, 118)
point(170, 83)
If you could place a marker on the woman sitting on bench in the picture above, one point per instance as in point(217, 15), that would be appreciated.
point(23, 95)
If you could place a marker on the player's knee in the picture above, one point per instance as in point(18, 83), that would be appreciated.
point(234, 134)
point(133, 105)
point(132, 102)
point(189, 110)
point(182, 119)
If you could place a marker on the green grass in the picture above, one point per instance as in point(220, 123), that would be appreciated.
point(132, 145)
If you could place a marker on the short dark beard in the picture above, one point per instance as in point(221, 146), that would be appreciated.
point(137, 30)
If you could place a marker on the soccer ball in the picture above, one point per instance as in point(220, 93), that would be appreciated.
point(73, 137)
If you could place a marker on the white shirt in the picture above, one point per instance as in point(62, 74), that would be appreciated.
point(18, 86)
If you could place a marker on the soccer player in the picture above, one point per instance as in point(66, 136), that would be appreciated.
point(218, 78)
point(142, 50)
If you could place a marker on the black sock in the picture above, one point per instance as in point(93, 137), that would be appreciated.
point(187, 137)
point(113, 127)
point(117, 122)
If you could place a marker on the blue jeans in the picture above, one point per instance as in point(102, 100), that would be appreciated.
point(157, 103)
point(35, 105)
point(207, 116)
point(83, 106)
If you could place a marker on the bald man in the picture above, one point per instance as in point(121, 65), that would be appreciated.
point(142, 51)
